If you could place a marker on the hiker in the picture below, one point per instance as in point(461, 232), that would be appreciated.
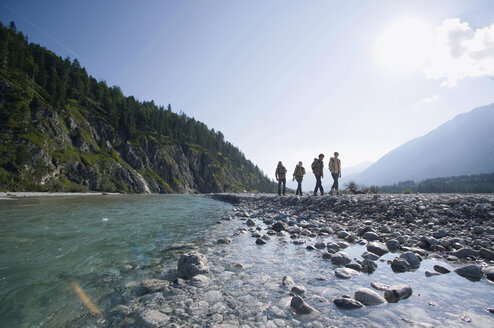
point(298, 175)
point(335, 169)
point(317, 169)
point(281, 177)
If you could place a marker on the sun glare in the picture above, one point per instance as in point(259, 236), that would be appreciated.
point(404, 46)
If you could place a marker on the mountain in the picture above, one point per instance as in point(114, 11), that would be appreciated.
point(62, 130)
point(461, 146)
point(350, 173)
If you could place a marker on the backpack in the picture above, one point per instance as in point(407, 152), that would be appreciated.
point(315, 166)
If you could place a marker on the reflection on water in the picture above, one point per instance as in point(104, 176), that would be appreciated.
point(438, 300)
point(100, 242)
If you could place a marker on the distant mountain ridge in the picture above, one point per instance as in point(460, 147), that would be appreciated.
point(461, 146)
point(62, 130)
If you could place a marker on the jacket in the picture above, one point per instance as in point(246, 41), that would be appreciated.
point(299, 172)
point(335, 165)
point(280, 172)
point(317, 167)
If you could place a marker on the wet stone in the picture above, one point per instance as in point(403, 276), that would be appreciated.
point(300, 307)
point(441, 269)
point(345, 273)
point(347, 303)
point(398, 292)
point(297, 290)
point(370, 236)
point(341, 258)
point(489, 273)
point(465, 252)
point(392, 245)
point(379, 286)
point(472, 272)
point(368, 297)
point(260, 241)
point(377, 248)
point(192, 264)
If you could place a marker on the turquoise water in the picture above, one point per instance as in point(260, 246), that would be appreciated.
point(99, 242)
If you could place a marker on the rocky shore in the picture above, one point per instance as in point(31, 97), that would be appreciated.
point(352, 260)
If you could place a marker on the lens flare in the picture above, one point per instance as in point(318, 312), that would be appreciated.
point(85, 300)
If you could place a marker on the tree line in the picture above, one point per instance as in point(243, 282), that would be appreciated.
point(59, 80)
point(477, 183)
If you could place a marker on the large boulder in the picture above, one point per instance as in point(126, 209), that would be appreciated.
point(192, 264)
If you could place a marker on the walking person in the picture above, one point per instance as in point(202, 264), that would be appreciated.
point(317, 169)
point(335, 169)
point(281, 177)
point(298, 175)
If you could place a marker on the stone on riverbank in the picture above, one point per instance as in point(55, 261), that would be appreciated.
point(192, 264)
point(260, 241)
point(441, 269)
point(465, 252)
point(398, 292)
point(345, 273)
point(279, 226)
point(367, 296)
point(471, 272)
point(341, 258)
point(489, 273)
point(300, 307)
point(347, 303)
point(377, 248)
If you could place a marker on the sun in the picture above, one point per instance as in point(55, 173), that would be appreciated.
point(404, 46)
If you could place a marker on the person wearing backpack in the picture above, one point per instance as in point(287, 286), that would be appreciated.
point(317, 169)
point(335, 169)
point(281, 177)
point(298, 175)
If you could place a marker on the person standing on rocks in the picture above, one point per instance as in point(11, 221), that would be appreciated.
point(298, 175)
point(335, 169)
point(317, 169)
point(281, 177)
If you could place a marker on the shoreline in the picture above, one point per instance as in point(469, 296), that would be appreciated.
point(21, 194)
point(293, 262)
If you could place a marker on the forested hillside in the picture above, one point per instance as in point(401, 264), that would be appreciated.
point(477, 183)
point(62, 130)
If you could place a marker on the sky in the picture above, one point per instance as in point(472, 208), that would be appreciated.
point(284, 80)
